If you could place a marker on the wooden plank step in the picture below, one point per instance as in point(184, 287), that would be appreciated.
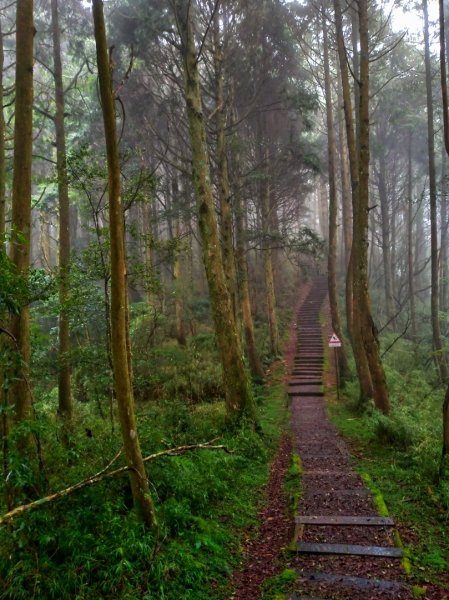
point(348, 492)
point(344, 520)
point(352, 549)
point(363, 583)
point(311, 372)
point(301, 390)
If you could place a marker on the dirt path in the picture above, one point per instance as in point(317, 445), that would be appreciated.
point(343, 549)
point(337, 545)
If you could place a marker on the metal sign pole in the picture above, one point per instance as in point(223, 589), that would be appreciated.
point(335, 343)
point(337, 373)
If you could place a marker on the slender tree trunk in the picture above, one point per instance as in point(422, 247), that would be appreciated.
point(179, 285)
point(444, 468)
point(255, 364)
point(239, 397)
point(444, 271)
point(369, 333)
point(64, 385)
point(2, 147)
point(345, 183)
point(4, 425)
point(120, 350)
point(332, 255)
point(268, 267)
point(434, 293)
point(360, 357)
point(20, 392)
point(386, 238)
point(346, 211)
point(226, 230)
point(410, 256)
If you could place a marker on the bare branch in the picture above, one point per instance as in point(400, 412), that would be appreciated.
point(104, 474)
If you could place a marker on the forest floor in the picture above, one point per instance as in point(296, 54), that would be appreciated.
point(313, 474)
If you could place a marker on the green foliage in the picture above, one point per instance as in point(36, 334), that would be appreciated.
point(292, 482)
point(276, 588)
point(187, 374)
point(90, 545)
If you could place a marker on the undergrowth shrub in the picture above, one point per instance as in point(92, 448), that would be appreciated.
point(90, 545)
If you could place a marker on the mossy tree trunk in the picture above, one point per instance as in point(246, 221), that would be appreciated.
point(332, 242)
point(119, 304)
point(444, 467)
point(65, 408)
point(255, 364)
point(20, 392)
point(440, 357)
point(360, 244)
point(360, 357)
point(226, 229)
point(410, 253)
point(386, 238)
point(238, 392)
point(270, 291)
point(2, 146)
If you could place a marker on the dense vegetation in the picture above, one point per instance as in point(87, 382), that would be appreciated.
point(170, 174)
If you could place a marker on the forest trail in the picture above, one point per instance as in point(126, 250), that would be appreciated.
point(342, 548)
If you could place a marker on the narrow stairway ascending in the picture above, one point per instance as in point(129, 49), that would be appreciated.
point(342, 548)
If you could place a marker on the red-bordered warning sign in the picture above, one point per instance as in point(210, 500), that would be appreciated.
point(334, 341)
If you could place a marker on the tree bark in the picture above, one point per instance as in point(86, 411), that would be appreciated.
point(360, 244)
point(20, 392)
point(238, 392)
point(360, 357)
point(226, 230)
point(2, 147)
point(120, 350)
point(332, 242)
point(255, 364)
point(444, 467)
point(440, 357)
point(65, 408)
point(268, 266)
point(386, 239)
point(178, 282)
point(410, 254)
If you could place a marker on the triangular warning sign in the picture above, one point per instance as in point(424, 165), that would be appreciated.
point(334, 341)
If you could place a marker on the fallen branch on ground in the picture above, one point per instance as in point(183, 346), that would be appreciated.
point(104, 474)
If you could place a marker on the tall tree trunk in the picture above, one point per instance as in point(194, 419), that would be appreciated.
point(332, 256)
point(255, 364)
point(64, 384)
point(410, 255)
point(345, 182)
point(120, 351)
point(20, 392)
point(346, 209)
point(239, 396)
point(440, 357)
point(179, 285)
point(268, 265)
point(2, 147)
point(368, 329)
point(360, 357)
point(444, 467)
point(386, 238)
point(4, 425)
point(226, 230)
point(444, 240)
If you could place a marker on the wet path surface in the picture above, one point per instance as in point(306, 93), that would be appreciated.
point(341, 548)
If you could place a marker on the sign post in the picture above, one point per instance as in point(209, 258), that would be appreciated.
point(335, 342)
